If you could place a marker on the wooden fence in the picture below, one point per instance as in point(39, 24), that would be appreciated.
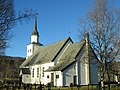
point(18, 86)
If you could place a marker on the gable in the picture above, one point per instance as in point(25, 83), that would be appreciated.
point(68, 57)
point(87, 55)
point(61, 51)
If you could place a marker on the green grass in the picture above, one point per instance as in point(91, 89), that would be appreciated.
point(71, 88)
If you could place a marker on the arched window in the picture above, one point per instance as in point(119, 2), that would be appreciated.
point(37, 72)
point(33, 72)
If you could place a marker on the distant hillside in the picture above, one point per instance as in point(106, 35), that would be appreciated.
point(9, 66)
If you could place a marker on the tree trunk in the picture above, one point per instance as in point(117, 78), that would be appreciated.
point(102, 78)
point(108, 79)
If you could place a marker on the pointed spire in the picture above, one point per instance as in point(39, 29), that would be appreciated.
point(35, 32)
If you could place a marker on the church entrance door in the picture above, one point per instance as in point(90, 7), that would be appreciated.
point(52, 79)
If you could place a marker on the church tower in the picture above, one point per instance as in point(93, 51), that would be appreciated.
point(35, 34)
point(32, 47)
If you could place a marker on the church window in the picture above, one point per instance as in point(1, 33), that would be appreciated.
point(47, 76)
point(57, 76)
point(37, 72)
point(33, 72)
point(30, 50)
point(43, 72)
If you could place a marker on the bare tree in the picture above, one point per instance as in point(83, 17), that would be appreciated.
point(103, 23)
point(8, 20)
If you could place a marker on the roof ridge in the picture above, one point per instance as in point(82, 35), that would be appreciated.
point(56, 42)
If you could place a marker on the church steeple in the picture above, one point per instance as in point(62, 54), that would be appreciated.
point(32, 47)
point(35, 34)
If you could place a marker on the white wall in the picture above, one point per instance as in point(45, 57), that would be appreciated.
point(82, 70)
point(47, 78)
point(83, 74)
point(45, 66)
point(41, 77)
point(34, 38)
point(80, 67)
point(30, 50)
point(94, 72)
point(26, 78)
point(57, 81)
point(68, 75)
point(34, 78)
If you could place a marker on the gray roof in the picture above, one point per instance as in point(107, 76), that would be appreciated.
point(44, 54)
point(68, 57)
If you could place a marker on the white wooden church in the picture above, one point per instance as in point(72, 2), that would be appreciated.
point(60, 63)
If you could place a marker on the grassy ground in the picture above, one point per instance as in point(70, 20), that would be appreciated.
point(67, 88)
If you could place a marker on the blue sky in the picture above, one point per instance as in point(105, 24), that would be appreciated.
point(55, 20)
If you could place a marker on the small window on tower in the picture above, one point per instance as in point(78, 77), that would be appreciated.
point(28, 51)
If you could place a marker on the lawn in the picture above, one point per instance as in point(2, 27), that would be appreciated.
point(67, 88)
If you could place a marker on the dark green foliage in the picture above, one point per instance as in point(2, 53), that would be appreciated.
point(9, 66)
